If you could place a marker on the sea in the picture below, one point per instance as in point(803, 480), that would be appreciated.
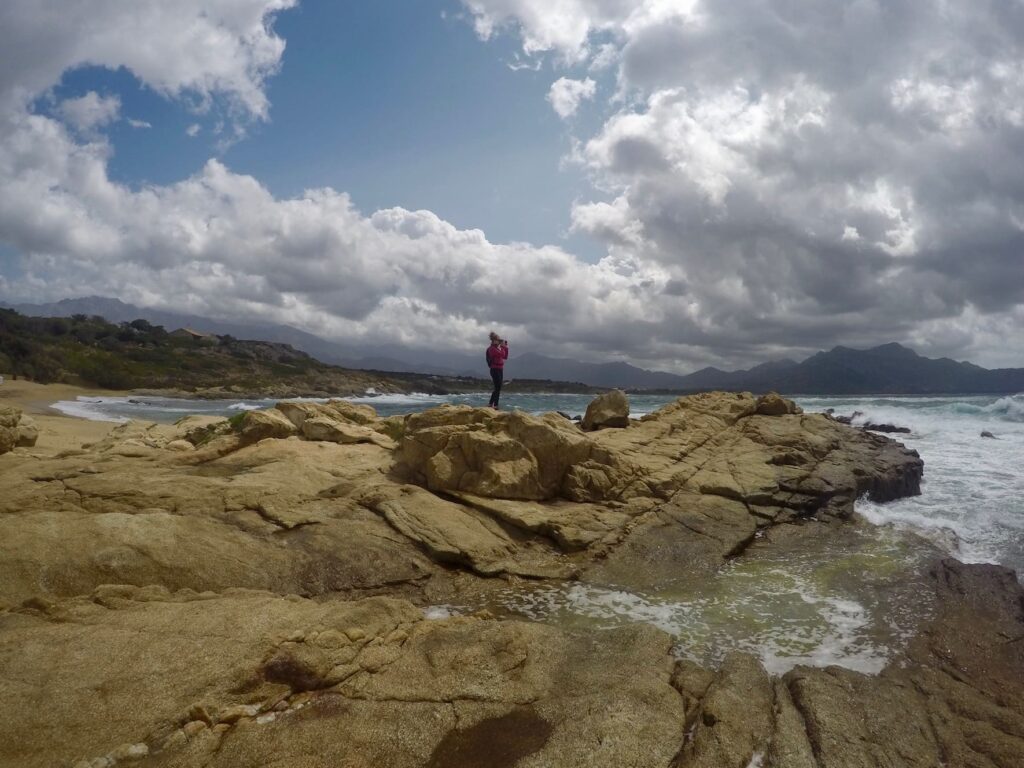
point(844, 605)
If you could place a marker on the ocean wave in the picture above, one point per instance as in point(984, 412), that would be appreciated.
point(89, 408)
point(413, 398)
point(1009, 408)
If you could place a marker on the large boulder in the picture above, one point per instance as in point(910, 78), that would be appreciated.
point(9, 418)
point(28, 432)
point(260, 425)
point(298, 411)
point(608, 410)
point(324, 429)
point(774, 404)
point(511, 455)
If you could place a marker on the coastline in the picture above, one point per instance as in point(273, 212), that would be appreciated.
point(57, 431)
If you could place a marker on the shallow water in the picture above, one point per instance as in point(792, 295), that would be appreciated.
point(846, 597)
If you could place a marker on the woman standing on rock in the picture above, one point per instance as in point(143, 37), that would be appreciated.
point(496, 355)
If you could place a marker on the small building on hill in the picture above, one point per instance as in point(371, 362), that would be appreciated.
point(189, 333)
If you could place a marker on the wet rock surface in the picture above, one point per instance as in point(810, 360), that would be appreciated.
point(246, 594)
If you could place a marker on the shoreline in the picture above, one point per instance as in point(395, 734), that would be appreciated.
point(58, 431)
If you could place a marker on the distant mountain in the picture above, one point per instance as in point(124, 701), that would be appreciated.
point(389, 358)
point(623, 375)
point(888, 369)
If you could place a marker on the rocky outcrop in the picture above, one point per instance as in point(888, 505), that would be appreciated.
point(888, 428)
point(608, 410)
point(28, 432)
point(774, 404)
point(292, 495)
point(511, 455)
point(271, 572)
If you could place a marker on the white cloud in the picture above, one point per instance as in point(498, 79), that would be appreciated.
point(199, 47)
point(849, 173)
point(193, 130)
point(568, 27)
point(219, 243)
point(566, 95)
point(139, 123)
point(90, 111)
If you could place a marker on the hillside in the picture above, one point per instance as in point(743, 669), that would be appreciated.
point(139, 355)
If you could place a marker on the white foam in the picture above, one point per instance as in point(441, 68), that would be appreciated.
point(244, 407)
point(88, 408)
point(437, 612)
point(1008, 408)
point(972, 495)
point(759, 618)
point(413, 398)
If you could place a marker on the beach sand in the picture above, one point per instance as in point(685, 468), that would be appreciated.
point(57, 432)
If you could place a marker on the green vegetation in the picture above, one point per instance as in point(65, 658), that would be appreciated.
point(139, 355)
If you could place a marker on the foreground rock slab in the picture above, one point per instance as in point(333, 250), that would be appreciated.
point(245, 679)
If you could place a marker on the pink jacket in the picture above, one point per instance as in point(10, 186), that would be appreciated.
point(496, 356)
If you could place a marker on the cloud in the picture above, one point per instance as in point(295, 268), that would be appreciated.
point(220, 243)
point(139, 123)
point(197, 47)
point(193, 130)
point(849, 173)
point(566, 95)
point(90, 111)
point(809, 173)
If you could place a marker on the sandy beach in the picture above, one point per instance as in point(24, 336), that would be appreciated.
point(57, 432)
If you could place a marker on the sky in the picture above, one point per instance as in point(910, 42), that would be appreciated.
point(674, 183)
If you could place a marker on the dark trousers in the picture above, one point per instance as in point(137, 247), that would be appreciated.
point(497, 376)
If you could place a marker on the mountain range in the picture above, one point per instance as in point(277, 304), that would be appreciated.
point(887, 369)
